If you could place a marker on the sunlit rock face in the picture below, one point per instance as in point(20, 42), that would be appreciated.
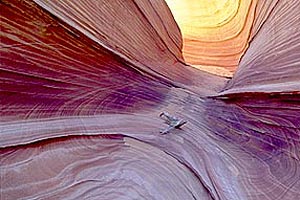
point(215, 33)
point(83, 84)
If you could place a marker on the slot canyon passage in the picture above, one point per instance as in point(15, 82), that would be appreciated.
point(83, 82)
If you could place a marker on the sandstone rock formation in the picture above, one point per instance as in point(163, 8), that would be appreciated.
point(82, 85)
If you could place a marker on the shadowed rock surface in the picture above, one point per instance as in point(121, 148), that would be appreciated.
point(82, 84)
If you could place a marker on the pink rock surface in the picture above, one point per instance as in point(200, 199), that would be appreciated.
point(272, 62)
point(82, 85)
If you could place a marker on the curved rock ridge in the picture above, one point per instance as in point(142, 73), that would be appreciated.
point(114, 25)
point(272, 61)
point(257, 158)
point(141, 32)
point(82, 87)
point(49, 70)
point(101, 167)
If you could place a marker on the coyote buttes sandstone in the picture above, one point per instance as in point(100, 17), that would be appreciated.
point(82, 85)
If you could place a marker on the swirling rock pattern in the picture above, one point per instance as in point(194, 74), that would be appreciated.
point(82, 89)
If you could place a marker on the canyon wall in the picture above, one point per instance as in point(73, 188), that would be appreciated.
point(82, 85)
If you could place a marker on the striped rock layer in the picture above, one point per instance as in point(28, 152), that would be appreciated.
point(82, 84)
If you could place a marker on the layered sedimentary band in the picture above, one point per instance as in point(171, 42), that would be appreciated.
point(272, 61)
point(82, 84)
point(215, 33)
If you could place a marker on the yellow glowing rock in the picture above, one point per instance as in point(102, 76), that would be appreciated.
point(202, 13)
point(215, 33)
